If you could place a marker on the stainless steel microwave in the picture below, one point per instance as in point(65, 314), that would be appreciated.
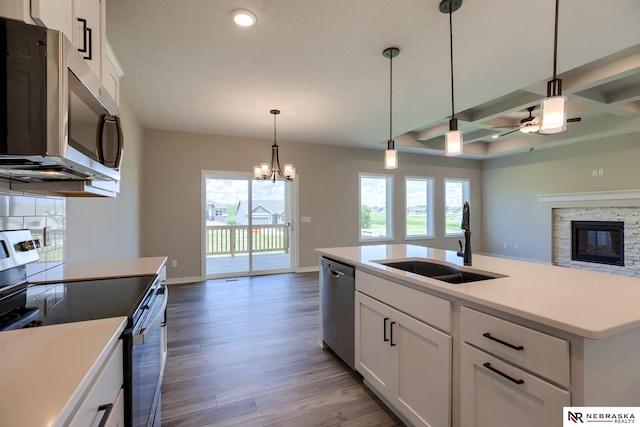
point(60, 132)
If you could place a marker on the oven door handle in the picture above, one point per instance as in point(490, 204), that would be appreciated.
point(139, 336)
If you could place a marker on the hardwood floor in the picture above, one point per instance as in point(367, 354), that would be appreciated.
point(245, 352)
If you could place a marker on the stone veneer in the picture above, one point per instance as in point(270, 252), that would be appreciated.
point(561, 237)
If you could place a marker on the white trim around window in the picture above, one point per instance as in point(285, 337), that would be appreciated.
point(418, 208)
point(375, 203)
point(456, 192)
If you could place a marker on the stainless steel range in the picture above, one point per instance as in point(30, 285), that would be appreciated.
point(143, 299)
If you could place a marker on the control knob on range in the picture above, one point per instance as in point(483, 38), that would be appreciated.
point(27, 245)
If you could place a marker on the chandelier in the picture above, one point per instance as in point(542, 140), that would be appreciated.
point(270, 171)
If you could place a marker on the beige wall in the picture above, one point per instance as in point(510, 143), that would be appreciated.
point(327, 189)
point(109, 228)
point(513, 216)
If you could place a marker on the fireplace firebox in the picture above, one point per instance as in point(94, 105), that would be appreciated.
point(598, 241)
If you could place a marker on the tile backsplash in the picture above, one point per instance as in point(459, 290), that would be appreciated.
point(41, 215)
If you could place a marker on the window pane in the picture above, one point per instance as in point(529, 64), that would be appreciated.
point(375, 207)
point(456, 193)
point(418, 193)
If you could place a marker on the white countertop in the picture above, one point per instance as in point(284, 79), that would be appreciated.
point(585, 303)
point(83, 270)
point(46, 369)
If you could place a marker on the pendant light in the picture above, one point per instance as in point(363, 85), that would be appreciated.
point(453, 138)
point(270, 171)
point(554, 107)
point(391, 154)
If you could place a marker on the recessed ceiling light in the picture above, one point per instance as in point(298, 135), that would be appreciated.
point(244, 17)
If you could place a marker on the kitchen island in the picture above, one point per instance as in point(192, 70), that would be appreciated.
point(71, 373)
point(521, 346)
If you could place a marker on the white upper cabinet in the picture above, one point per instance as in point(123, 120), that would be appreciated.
point(83, 22)
point(56, 14)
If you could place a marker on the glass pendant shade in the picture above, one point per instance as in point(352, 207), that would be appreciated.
point(289, 171)
point(554, 114)
point(453, 143)
point(391, 159)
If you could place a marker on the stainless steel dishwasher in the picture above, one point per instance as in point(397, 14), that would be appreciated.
point(338, 304)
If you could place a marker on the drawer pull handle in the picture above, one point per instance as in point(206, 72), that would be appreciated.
point(107, 410)
point(391, 327)
point(510, 378)
point(384, 328)
point(515, 347)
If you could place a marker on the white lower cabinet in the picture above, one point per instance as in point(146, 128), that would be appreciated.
point(104, 404)
point(405, 360)
point(494, 393)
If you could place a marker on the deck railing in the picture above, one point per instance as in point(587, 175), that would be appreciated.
point(234, 239)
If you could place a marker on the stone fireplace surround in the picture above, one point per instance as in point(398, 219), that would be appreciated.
point(602, 206)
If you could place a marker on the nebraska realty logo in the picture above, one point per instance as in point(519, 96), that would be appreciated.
point(603, 415)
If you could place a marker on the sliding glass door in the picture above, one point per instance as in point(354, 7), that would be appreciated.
point(247, 225)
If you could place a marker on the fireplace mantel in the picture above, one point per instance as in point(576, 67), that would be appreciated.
point(589, 195)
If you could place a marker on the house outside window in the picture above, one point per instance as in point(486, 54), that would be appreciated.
point(418, 207)
point(376, 207)
point(456, 192)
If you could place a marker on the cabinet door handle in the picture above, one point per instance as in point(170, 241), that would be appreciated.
point(384, 329)
point(502, 374)
point(391, 333)
point(498, 340)
point(107, 410)
point(86, 39)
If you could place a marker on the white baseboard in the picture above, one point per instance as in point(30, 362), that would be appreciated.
point(181, 280)
point(308, 269)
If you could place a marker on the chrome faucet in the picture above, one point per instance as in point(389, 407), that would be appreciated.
point(466, 253)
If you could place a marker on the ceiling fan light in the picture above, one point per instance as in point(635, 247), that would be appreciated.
point(453, 143)
point(391, 159)
point(530, 127)
point(554, 114)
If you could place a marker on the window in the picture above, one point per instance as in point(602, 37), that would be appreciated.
point(456, 192)
point(418, 202)
point(376, 220)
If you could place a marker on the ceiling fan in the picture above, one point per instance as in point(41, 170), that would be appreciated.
point(531, 124)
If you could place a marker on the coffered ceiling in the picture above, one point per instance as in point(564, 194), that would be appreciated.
point(188, 67)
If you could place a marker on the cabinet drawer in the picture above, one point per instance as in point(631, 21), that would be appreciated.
point(537, 352)
point(497, 394)
point(104, 391)
point(425, 307)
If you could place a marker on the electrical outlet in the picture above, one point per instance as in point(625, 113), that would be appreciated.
point(174, 263)
point(504, 246)
point(600, 172)
point(594, 172)
point(515, 246)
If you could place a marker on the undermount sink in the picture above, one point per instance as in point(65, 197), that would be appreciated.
point(442, 272)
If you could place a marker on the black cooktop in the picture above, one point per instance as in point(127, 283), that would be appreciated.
point(89, 299)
